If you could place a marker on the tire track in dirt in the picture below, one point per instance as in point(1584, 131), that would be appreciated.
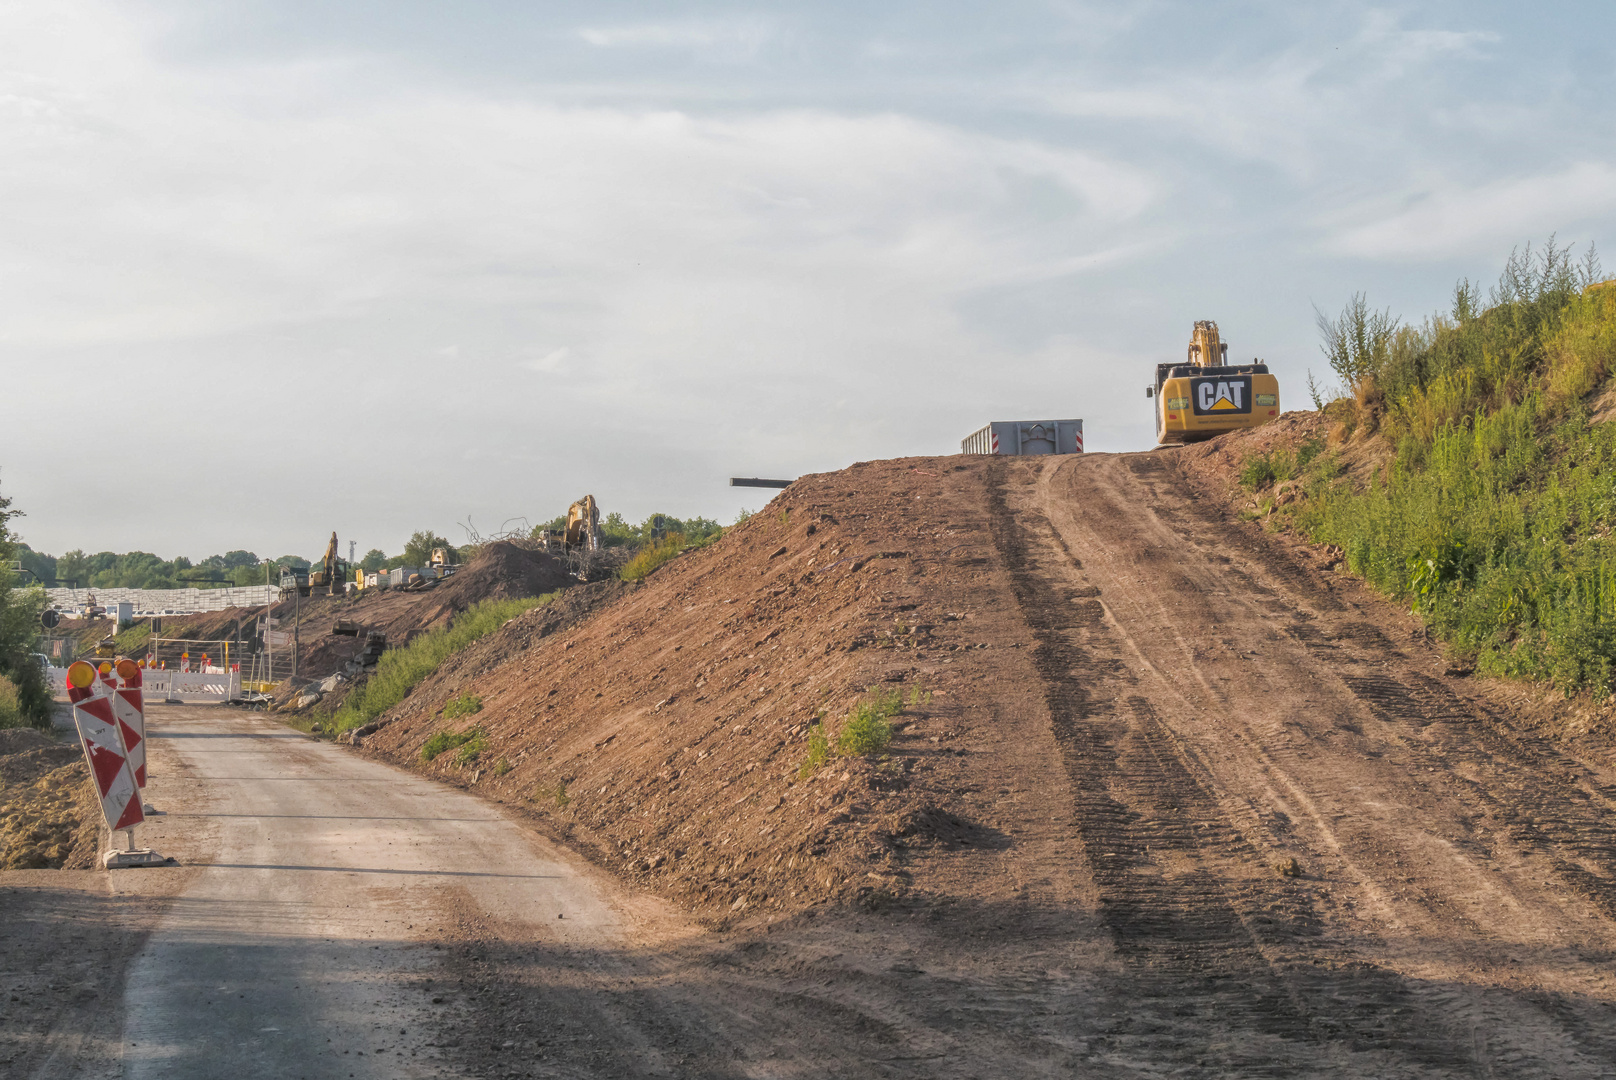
point(1190, 897)
point(1544, 798)
point(1195, 940)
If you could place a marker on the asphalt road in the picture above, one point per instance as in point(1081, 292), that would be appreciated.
point(305, 946)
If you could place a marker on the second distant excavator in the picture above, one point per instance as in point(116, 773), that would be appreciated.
point(329, 575)
point(1205, 395)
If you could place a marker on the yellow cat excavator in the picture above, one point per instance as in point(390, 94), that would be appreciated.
point(1205, 395)
point(583, 525)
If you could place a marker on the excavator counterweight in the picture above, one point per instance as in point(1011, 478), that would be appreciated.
point(1205, 395)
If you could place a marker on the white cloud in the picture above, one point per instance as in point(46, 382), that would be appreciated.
point(728, 40)
point(1447, 219)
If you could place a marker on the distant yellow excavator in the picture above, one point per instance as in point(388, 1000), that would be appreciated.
point(331, 573)
point(583, 525)
point(1206, 395)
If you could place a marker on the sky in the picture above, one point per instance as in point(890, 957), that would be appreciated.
point(270, 269)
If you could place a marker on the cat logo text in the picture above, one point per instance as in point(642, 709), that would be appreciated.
point(1227, 396)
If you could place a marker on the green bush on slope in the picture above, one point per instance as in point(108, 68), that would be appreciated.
point(1494, 519)
point(401, 670)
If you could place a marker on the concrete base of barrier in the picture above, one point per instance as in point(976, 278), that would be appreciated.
point(128, 860)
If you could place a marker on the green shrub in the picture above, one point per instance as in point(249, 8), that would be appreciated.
point(464, 705)
point(1496, 520)
point(471, 749)
point(1261, 471)
point(401, 670)
point(10, 708)
point(867, 729)
point(818, 750)
point(449, 740)
point(502, 766)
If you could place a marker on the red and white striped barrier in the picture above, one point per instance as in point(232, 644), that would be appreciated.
point(103, 747)
point(130, 709)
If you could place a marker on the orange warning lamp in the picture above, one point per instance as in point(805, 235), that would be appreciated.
point(80, 674)
point(128, 669)
point(106, 667)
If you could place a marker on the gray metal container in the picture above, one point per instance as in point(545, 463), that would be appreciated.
point(401, 575)
point(1026, 437)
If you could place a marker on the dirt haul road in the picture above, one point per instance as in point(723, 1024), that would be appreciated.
point(1444, 894)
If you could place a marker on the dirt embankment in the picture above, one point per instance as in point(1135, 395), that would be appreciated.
point(666, 735)
point(48, 813)
point(1184, 800)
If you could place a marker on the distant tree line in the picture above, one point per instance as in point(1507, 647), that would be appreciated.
point(143, 570)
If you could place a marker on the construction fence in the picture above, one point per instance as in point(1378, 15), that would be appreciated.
point(157, 602)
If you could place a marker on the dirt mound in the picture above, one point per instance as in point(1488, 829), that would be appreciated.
point(47, 804)
point(667, 735)
point(505, 571)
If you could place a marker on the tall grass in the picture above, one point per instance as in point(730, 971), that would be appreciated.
point(401, 670)
point(1494, 521)
point(11, 714)
point(653, 555)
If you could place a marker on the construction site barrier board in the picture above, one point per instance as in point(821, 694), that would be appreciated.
point(174, 685)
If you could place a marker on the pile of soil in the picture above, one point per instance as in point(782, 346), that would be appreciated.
point(505, 571)
point(666, 735)
point(48, 812)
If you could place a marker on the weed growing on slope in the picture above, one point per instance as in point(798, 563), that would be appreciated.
point(818, 751)
point(472, 748)
point(558, 793)
point(867, 731)
point(464, 705)
point(652, 556)
point(442, 741)
point(502, 766)
point(402, 669)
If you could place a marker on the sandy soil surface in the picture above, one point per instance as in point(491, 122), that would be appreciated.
point(1200, 808)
